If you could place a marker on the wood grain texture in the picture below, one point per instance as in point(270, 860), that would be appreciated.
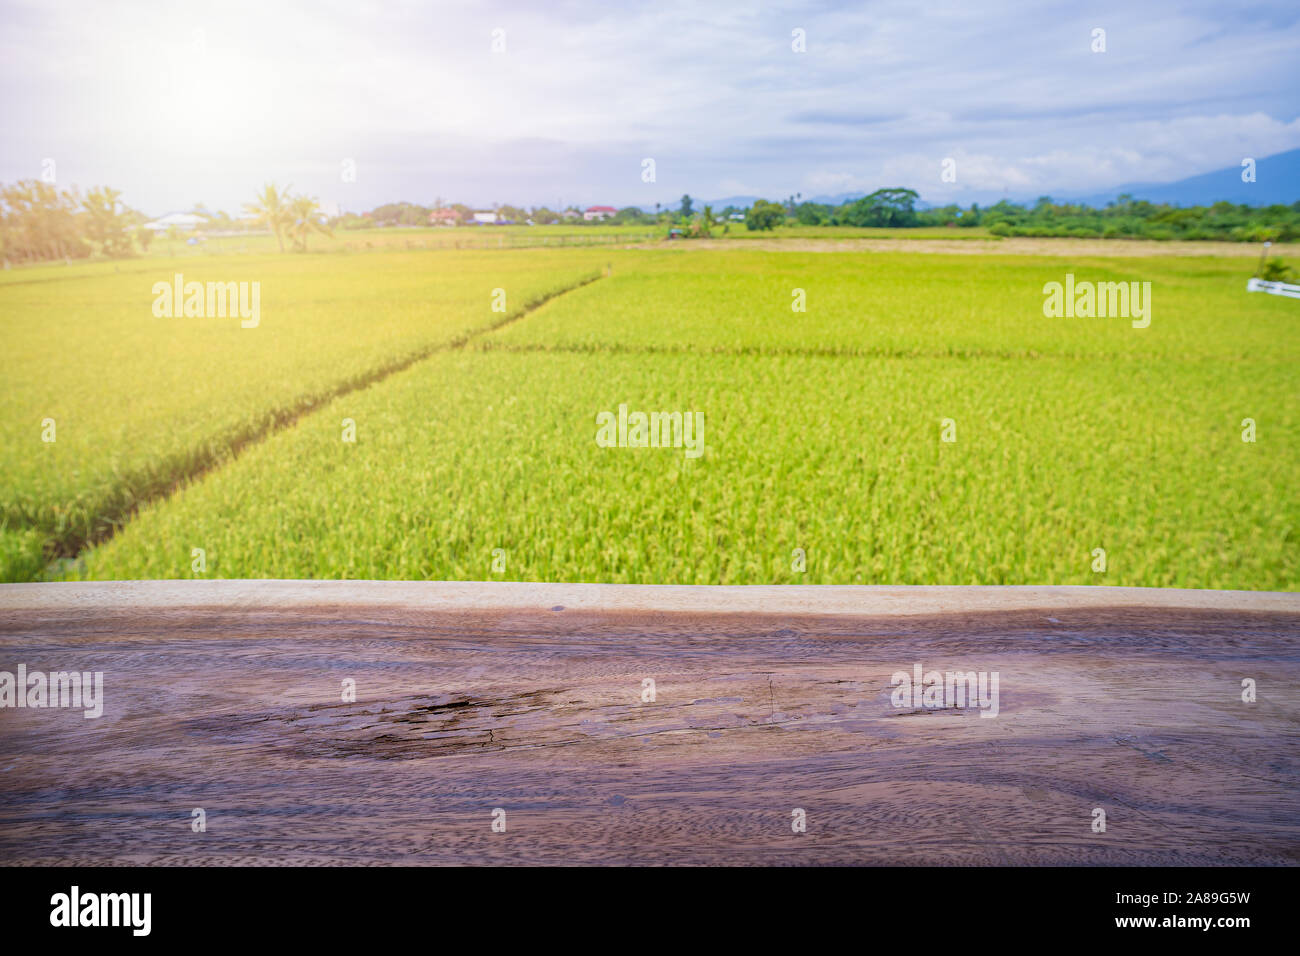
point(226, 696)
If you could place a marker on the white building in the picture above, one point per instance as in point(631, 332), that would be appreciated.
point(184, 221)
point(485, 218)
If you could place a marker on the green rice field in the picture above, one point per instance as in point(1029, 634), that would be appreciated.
point(920, 421)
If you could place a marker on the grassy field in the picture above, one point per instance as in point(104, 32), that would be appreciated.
point(414, 238)
point(469, 237)
point(842, 457)
point(822, 428)
point(475, 429)
point(739, 231)
point(480, 237)
point(139, 402)
point(896, 304)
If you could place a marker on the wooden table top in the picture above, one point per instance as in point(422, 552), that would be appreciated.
point(470, 698)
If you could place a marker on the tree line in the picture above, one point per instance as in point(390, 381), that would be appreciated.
point(41, 222)
point(1126, 217)
point(38, 222)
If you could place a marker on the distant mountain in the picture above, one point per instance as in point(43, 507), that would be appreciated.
point(1277, 180)
point(744, 202)
point(740, 202)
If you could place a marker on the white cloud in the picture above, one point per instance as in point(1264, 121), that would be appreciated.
point(584, 91)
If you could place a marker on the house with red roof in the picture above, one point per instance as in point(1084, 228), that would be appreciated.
point(598, 213)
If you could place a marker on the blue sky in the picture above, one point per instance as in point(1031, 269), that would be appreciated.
point(177, 103)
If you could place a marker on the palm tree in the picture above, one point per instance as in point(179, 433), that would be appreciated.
point(106, 221)
point(304, 219)
point(272, 208)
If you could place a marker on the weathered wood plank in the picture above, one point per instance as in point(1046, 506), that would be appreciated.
point(226, 696)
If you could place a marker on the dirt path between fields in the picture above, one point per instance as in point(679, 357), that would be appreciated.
point(226, 696)
point(115, 514)
point(1078, 248)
